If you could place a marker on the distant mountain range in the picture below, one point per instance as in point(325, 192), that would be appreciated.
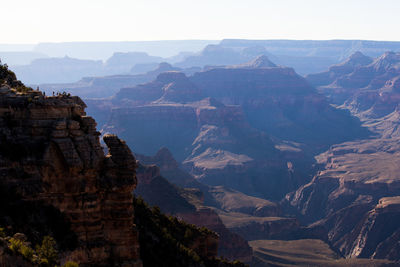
point(305, 57)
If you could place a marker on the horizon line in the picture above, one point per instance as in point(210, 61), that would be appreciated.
point(194, 40)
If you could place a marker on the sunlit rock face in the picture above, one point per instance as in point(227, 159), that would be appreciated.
point(50, 151)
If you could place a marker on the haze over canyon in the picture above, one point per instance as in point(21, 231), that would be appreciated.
point(210, 153)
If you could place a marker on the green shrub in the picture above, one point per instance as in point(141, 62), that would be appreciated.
point(9, 77)
point(15, 245)
point(27, 252)
point(18, 246)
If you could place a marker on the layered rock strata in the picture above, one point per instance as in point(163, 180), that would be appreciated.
point(353, 201)
point(50, 151)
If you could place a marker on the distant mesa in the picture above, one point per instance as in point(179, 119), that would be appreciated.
point(261, 61)
point(258, 62)
point(217, 55)
point(123, 62)
point(58, 70)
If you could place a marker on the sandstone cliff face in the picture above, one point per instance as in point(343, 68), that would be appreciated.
point(50, 151)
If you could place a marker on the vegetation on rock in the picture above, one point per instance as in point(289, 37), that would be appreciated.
point(8, 77)
point(167, 241)
point(44, 255)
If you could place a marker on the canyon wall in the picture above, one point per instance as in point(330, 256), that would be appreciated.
point(50, 152)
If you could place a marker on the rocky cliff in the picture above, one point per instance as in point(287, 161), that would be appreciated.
point(50, 150)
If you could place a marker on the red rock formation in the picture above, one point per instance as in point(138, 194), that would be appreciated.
point(50, 151)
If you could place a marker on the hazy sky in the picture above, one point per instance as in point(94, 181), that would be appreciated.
point(32, 21)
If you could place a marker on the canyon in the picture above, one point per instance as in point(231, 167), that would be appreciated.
point(283, 169)
point(356, 187)
point(260, 130)
point(262, 137)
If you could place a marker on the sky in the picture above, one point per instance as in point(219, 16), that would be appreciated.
point(34, 21)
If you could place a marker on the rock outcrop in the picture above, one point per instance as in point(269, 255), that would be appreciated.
point(50, 151)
